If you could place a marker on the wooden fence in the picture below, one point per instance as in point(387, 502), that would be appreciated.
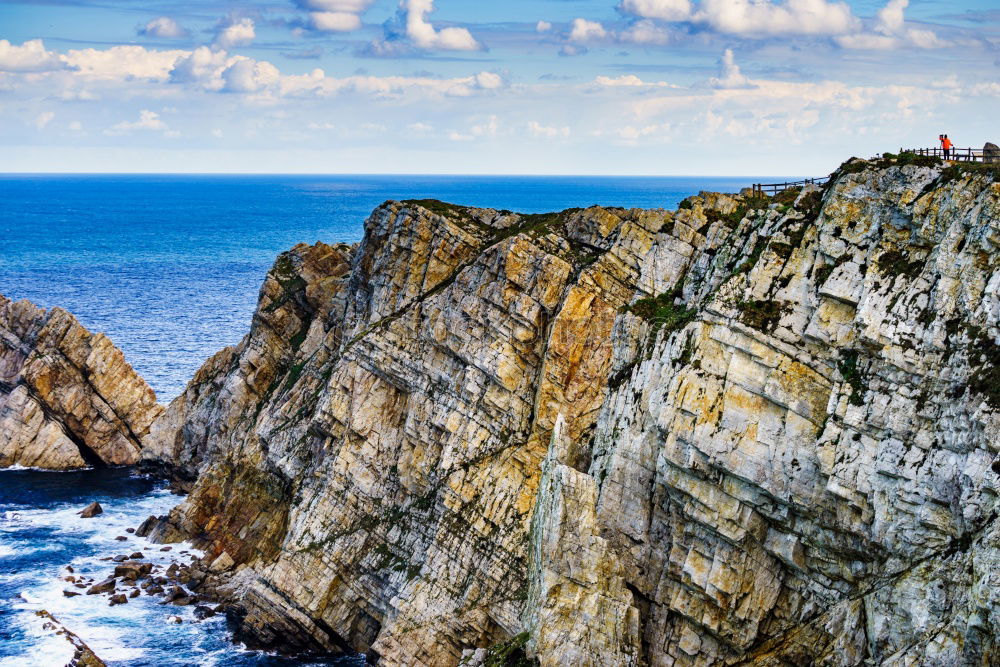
point(957, 154)
point(775, 188)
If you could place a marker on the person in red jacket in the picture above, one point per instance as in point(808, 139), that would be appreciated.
point(946, 145)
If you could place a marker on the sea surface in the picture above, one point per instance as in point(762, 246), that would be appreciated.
point(169, 267)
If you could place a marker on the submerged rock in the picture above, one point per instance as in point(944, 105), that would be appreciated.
point(68, 398)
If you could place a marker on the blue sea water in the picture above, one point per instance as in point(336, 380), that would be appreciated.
point(169, 267)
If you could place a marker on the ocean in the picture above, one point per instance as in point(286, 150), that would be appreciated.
point(169, 268)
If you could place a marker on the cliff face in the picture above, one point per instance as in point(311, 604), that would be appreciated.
point(749, 431)
point(68, 398)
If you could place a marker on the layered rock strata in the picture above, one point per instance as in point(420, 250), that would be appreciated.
point(751, 431)
point(68, 398)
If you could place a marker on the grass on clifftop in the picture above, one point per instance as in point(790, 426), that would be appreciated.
point(662, 312)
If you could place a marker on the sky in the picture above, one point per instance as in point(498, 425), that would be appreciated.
point(616, 87)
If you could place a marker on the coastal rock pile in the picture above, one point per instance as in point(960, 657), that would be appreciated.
point(68, 398)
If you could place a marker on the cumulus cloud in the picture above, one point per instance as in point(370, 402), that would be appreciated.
point(536, 129)
point(666, 10)
point(410, 29)
point(31, 56)
point(334, 21)
point(543, 26)
point(890, 32)
point(730, 77)
point(582, 30)
point(752, 18)
point(148, 120)
point(249, 76)
point(335, 15)
point(236, 32)
point(763, 18)
point(123, 62)
point(44, 119)
point(164, 27)
point(645, 31)
point(627, 81)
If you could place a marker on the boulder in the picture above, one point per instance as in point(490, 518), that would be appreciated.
point(202, 612)
point(991, 152)
point(68, 398)
point(130, 571)
point(146, 526)
point(70, 594)
point(222, 563)
point(91, 510)
point(117, 599)
point(106, 586)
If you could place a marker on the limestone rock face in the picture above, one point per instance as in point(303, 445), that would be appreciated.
point(751, 431)
point(68, 398)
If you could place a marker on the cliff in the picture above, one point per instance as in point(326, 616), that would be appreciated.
point(68, 398)
point(751, 431)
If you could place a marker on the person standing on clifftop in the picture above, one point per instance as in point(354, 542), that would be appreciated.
point(946, 145)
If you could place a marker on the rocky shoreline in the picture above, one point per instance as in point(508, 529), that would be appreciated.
point(749, 431)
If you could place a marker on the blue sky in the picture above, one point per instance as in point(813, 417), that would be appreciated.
point(692, 87)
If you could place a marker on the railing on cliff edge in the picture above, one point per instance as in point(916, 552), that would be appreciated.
point(775, 188)
point(954, 155)
point(957, 154)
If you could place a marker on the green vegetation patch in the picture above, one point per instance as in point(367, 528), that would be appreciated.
point(751, 261)
point(787, 196)
point(897, 263)
point(959, 171)
point(848, 367)
point(662, 312)
point(510, 653)
point(907, 158)
point(824, 272)
point(762, 314)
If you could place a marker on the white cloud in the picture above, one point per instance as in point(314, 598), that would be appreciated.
point(582, 30)
point(203, 66)
point(487, 129)
point(163, 26)
point(667, 10)
point(236, 33)
point(249, 76)
point(44, 119)
point(489, 81)
point(76, 126)
point(538, 130)
point(730, 76)
point(335, 21)
point(627, 81)
point(889, 32)
point(124, 62)
point(543, 26)
point(764, 18)
point(890, 18)
point(349, 6)
point(148, 120)
point(423, 34)
point(420, 128)
point(645, 31)
point(31, 56)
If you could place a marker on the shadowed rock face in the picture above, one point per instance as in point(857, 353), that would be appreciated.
point(748, 431)
point(68, 398)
